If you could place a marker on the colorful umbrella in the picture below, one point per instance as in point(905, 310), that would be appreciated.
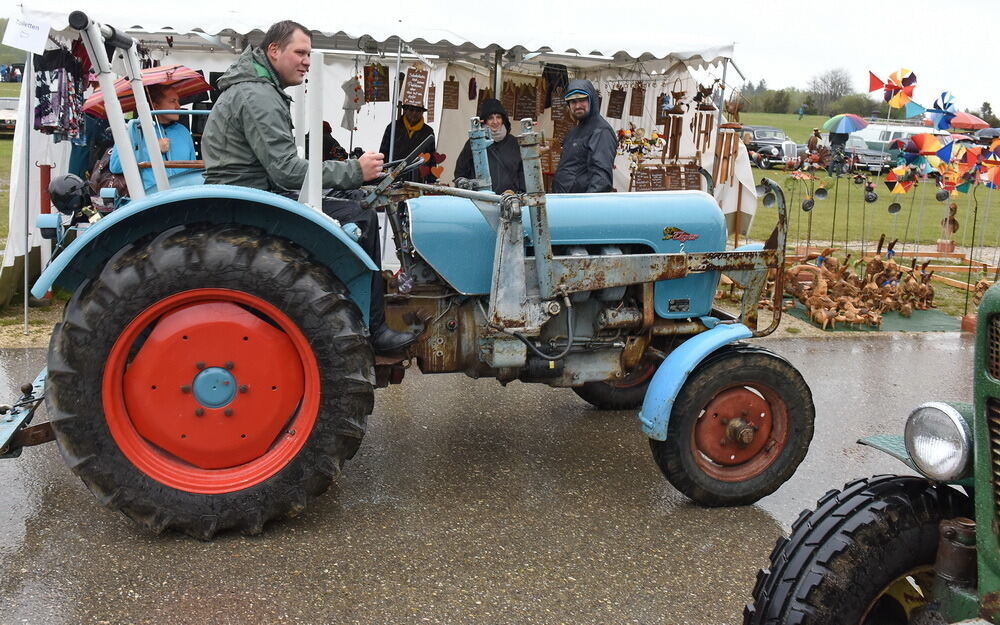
point(845, 123)
point(184, 80)
point(968, 121)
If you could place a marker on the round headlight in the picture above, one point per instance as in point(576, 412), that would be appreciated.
point(938, 441)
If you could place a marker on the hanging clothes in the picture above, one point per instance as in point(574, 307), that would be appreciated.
point(59, 87)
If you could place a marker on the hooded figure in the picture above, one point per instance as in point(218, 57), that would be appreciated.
point(588, 150)
point(504, 155)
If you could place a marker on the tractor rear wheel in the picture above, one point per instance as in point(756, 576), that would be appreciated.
point(864, 556)
point(212, 377)
point(739, 427)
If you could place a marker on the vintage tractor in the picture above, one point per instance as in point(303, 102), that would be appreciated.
point(900, 550)
point(213, 369)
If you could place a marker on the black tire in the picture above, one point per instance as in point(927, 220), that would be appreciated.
point(626, 394)
point(758, 379)
point(239, 259)
point(765, 162)
point(841, 556)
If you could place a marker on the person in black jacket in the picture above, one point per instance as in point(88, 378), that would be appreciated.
point(588, 150)
point(410, 132)
point(504, 155)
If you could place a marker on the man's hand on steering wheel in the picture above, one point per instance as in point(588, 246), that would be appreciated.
point(371, 165)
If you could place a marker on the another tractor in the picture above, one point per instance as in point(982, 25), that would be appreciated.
point(904, 549)
point(213, 369)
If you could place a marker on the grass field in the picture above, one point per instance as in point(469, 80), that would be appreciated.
point(919, 218)
point(10, 89)
point(797, 129)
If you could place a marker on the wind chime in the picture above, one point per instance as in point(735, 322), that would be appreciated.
point(726, 149)
point(703, 123)
point(673, 125)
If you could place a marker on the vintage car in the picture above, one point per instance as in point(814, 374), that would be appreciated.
point(8, 115)
point(769, 146)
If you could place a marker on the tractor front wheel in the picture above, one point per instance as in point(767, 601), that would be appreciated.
point(864, 556)
point(739, 427)
point(210, 378)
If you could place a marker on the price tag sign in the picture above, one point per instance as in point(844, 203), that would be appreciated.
point(27, 33)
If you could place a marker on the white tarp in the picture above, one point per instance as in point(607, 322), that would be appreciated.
point(521, 25)
point(458, 36)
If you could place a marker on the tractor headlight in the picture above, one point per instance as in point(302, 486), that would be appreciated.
point(938, 441)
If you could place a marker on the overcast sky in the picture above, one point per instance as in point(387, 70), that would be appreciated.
point(948, 44)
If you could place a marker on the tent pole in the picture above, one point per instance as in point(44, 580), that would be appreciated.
point(722, 92)
point(395, 101)
point(28, 106)
point(497, 73)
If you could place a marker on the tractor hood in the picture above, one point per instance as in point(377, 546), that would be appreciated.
point(455, 239)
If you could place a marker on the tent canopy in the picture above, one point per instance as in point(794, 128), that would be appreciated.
point(448, 28)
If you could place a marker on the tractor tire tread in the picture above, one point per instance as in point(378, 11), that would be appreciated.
point(221, 256)
point(799, 586)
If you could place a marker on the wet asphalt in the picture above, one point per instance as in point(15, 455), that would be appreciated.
point(467, 503)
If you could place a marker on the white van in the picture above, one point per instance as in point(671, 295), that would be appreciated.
point(878, 134)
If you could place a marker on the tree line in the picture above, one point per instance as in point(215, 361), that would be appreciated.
point(829, 93)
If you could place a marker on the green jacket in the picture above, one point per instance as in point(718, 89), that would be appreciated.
point(248, 138)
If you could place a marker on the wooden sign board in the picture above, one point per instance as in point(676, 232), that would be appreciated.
point(525, 103)
point(414, 87)
point(641, 180)
point(666, 178)
point(638, 101)
point(616, 104)
point(508, 97)
point(449, 94)
point(431, 96)
point(540, 88)
point(376, 83)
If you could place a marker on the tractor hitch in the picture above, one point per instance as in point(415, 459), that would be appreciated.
point(15, 433)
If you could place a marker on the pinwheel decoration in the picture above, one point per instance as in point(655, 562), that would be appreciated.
point(897, 91)
point(943, 111)
point(923, 151)
point(896, 182)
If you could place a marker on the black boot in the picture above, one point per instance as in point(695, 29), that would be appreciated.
point(385, 340)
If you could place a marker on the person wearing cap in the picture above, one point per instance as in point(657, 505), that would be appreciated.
point(588, 150)
point(813, 143)
point(504, 155)
point(411, 131)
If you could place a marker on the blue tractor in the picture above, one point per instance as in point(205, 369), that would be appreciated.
point(213, 369)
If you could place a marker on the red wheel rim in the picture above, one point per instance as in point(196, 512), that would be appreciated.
point(741, 431)
point(154, 391)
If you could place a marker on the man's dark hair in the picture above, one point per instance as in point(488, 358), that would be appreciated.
point(281, 33)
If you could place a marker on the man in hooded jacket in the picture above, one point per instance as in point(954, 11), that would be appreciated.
point(504, 155)
point(248, 141)
point(588, 150)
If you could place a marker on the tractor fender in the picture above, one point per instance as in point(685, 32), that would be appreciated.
point(674, 371)
point(308, 228)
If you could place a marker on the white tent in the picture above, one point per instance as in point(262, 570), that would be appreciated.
point(445, 35)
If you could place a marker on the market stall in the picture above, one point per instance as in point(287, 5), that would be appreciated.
point(516, 62)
